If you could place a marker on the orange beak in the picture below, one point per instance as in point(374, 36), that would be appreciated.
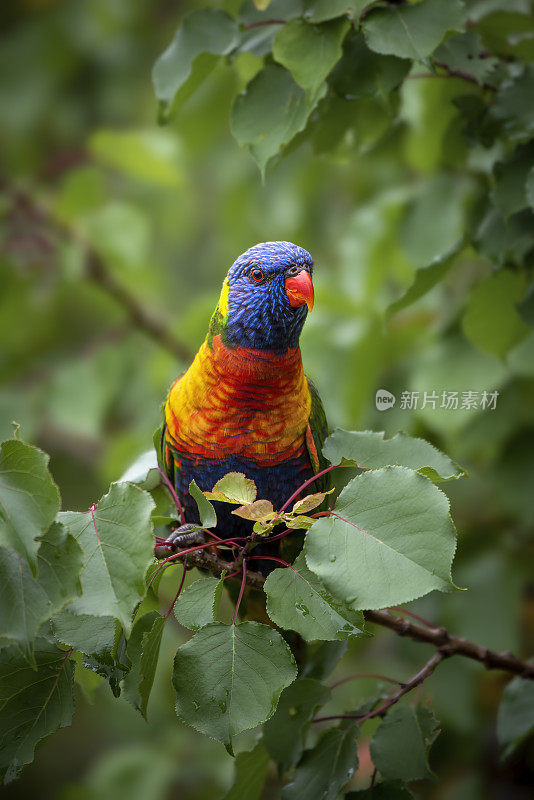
point(299, 290)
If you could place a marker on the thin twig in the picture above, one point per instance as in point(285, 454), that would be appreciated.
point(251, 25)
point(174, 495)
point(404, 611)
point(139, 316)
point(178, 593)
point(382, 710)
point(306, 484)
point(375, 675)
point(242, 589)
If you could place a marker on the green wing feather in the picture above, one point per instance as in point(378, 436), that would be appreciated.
point(318, 428)
point(165, 462)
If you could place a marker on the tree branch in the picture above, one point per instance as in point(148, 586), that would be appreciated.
point(31, 222)
point(445, 643)
point(451, 645)
point(139, 316)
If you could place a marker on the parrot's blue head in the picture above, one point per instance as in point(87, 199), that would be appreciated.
point(266, 297)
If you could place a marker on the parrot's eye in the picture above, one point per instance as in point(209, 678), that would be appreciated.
point(257, 275)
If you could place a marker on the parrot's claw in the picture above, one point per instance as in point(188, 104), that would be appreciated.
point(183, 536)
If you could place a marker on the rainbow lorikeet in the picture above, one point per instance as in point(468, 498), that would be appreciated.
point(244, 404)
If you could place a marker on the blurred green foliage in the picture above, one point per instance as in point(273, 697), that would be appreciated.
point(384, 192)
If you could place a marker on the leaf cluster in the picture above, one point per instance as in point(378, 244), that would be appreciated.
point(333, 75)
point(86, 598)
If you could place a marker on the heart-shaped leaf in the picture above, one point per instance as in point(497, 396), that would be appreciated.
point(228, 678)
point(118, 544)
point(29, 498)
point(390, 540)
point(371, 450)
point(233, 487)
point(197, 604)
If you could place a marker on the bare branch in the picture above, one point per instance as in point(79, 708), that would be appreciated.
point(452, 645)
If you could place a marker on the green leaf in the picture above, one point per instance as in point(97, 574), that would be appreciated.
point(412, 31)
point(515, 720)
point(149, 155)
point(149, 660)
point(465, 53)
point(391, 540)
point(310, 502)
point(109, 667)
point(325, 769)
point(228, 678)
point(202, 31)
point(495, 298)
point(85, 633)
point(310, 51)
point(250, 773)
point(197, 604)
point(27, 602)
point(513, 105)
point(143, 472)
point(510, 190)
point(208, 517)
point(371, 450)
point(284, 734)
point(353, 126)
point(143, 651)
point(118, 548)
point(300, 522)
point(258, 510)
point(400, 746)
point(268, 114)
point(29, 498)
point(425, 279)
point(33, 703)
point(233, 487)
point(364, 73)
point(503, 241)
point(433, 225)
point(322, 10)
point(297, 600)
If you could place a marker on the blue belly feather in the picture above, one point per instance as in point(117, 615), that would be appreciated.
point(275, 483)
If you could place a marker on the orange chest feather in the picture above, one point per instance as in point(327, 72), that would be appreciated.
point(240, 402)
